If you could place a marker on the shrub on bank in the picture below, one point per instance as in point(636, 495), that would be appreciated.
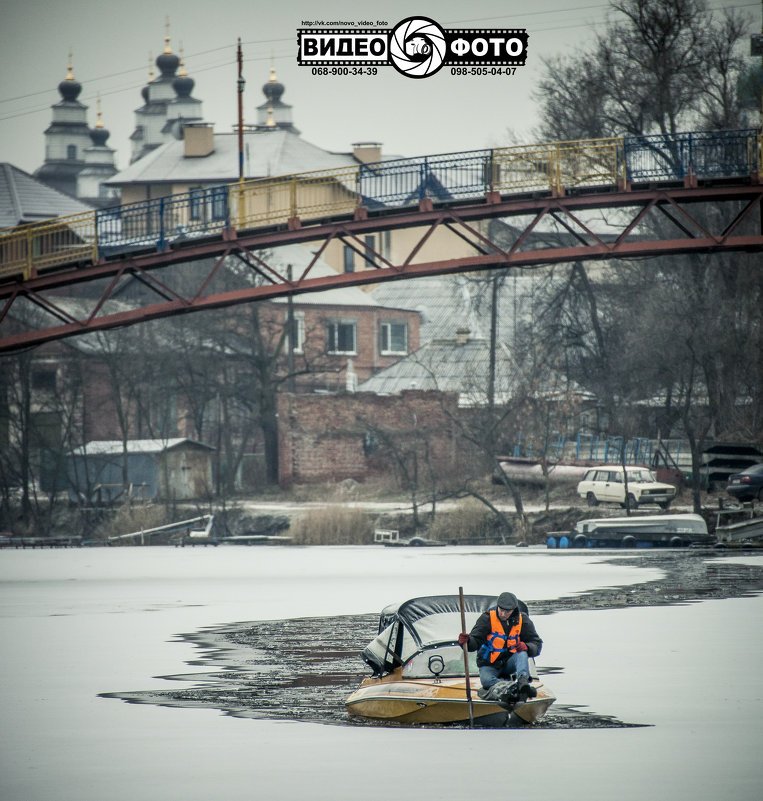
point(332, 525)
point(470, 521)
point(130, 518)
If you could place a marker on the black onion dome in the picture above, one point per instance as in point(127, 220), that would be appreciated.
point(168, 64)
point(69, 89)
point(273, 89)
point(144, 93)
point(98, 136)
point(183, 85)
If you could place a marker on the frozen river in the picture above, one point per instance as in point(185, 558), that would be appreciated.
point(81, 622)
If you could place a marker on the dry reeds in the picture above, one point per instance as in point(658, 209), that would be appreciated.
point(470, 521)
point(332, 525)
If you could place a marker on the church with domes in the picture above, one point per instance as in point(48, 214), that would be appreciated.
point(172, 149)
point(167, 105)
point(78, 161)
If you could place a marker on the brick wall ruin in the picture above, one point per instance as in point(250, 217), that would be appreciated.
point(334, 437)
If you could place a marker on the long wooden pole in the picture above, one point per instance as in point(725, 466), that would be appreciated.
point(466, 659)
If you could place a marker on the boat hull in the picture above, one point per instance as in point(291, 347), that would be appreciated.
point(394, 698)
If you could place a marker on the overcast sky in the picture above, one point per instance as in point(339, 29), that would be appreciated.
point(111, 43)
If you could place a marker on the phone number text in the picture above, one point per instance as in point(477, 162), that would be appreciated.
point(344, 70)
point(483, 70)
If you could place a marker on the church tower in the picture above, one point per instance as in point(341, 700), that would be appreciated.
point(66, 138)
point(99, 167)
point(167, 105)
point(274, 113)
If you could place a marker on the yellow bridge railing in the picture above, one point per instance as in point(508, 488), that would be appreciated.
point(552, 167)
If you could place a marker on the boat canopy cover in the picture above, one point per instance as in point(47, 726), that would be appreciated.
point(411, 626)
point(667, 524)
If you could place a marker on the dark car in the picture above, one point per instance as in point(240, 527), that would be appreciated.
point(747, 485)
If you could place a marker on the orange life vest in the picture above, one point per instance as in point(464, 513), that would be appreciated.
point(498, 642)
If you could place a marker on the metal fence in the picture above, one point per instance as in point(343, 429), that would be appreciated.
point(715, 154)
point(555, 167)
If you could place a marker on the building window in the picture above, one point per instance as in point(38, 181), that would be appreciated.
point(369, 250)
point(342, 337)
point(386, 248)
point(195, 203)
point(349, 259)
point(71, 152)
point(297, 335)
point(394, 338)
point(219, 197)
point(44, 380)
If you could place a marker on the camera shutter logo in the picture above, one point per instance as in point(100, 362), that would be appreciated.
point(417, 47)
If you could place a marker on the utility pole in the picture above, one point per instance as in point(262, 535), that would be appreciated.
point(291, 335)
point(240, 85)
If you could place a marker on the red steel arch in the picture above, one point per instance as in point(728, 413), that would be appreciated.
point(737, 226)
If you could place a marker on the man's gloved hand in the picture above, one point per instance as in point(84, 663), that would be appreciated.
point(463, 637)
point(521, 646)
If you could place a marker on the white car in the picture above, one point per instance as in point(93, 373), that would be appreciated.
point(606, 484)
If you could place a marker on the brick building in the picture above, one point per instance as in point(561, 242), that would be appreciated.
point(334, 437)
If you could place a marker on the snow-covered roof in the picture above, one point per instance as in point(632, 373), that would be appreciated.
point(114, 447)
point(266, 153)
point(448, 365)
point(449, 302)
point(24, 199)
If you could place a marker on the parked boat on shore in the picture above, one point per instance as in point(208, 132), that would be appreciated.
point(636, 531)
point(418, 669)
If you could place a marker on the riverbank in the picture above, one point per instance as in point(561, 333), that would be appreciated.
point(274, 513)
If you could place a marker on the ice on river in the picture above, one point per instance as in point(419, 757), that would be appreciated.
point(76, 623)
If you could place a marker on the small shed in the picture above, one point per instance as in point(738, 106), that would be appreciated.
point(178, 469)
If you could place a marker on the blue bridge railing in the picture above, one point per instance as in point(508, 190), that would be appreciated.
point(549, 167)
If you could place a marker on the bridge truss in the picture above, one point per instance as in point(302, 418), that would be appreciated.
point(735, 224)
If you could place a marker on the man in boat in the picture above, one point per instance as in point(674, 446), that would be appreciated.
point(504, 638)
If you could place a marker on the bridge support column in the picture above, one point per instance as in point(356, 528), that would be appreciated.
point(293, 224)
point(425, 204)
point(361, 213)
point(492, 196)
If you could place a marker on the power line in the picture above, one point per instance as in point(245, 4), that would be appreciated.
point(134, 87)
point(260, 42)
point(138, 69)
point(565, 10)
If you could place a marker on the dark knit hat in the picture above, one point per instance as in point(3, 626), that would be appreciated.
point(507, 600)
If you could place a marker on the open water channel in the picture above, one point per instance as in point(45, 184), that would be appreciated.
point(218, 673)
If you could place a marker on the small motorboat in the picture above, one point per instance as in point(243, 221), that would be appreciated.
point(418, 669)
point(636, 531)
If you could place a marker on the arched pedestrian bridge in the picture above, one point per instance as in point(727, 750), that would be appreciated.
point(704, 189)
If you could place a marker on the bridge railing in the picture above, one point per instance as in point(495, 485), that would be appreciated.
point(156, 223)
point(443, 177)
point(308, 195)
point(554, 166)
point(707, 154)
point(61, 240)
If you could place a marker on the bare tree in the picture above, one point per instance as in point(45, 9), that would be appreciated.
point(680, 328)
point(660, 66)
